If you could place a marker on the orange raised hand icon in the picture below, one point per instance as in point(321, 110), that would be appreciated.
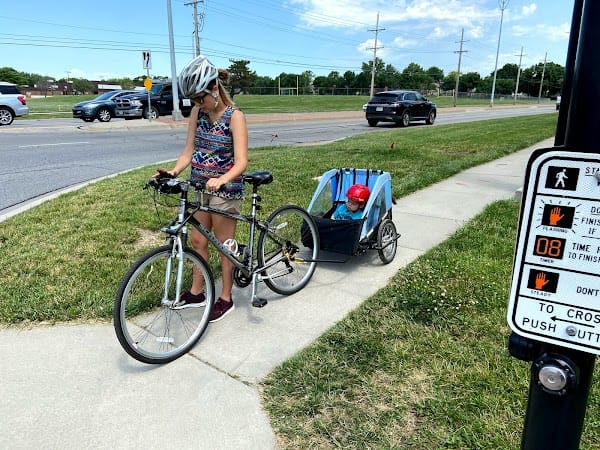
point(555, 216)
point(540, 281)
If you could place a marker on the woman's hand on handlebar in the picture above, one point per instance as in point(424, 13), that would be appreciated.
point(162, 173)
point(214, 184)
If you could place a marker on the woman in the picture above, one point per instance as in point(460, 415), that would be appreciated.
point(217, 148)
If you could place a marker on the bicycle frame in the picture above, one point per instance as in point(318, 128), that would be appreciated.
point(186, 213)
point(152, 324)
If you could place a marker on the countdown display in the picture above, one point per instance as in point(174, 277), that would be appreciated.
point(550, 247)
point(555, 289)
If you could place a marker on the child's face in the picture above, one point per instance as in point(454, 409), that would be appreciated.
point(352, 206)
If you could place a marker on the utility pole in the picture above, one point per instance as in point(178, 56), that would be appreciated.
point(194, 3)
point(542, 80)
point(502, 4)
point(68, 72)
point(518, 76)
point(460, 52)
point(376, 30)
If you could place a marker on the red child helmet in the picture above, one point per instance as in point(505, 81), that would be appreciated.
point(358, 193)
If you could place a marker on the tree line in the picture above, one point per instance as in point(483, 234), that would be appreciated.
point(413, 76)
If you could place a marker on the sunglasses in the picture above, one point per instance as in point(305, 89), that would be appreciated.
point(199, 99)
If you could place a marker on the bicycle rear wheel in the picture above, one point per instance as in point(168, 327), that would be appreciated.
point(288, 248)
point(148, 325)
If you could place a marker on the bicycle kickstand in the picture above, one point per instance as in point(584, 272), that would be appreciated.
point(257, 302)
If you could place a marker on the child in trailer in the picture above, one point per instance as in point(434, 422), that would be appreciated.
point(357, 197)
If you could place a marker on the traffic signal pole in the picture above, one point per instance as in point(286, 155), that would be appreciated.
point(561, 376)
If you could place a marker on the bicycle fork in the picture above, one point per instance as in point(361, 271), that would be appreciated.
point(177, 254)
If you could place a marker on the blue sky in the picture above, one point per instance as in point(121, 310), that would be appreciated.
point(105, 39)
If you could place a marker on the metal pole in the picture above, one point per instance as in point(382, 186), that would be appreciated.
point(561, 377)
point(176, 114)
point(503, 4)
point(583, 118)
point(554, 419)
point(149, 101)
point(559, 138)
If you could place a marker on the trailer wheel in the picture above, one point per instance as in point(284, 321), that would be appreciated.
point(387, 241)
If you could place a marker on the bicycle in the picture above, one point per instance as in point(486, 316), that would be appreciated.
point(150, 324)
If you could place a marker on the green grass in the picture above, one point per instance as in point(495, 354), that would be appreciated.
point(423, 364)
point(59, 106)
point(64, 259)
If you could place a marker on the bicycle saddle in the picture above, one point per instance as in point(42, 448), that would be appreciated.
point(258, 178)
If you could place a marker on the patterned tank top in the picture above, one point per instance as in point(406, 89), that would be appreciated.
point(213, 153)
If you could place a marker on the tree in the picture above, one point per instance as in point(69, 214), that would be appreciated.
point(82, 85)
point(507, 72)
point(306, 79)
point(469, 82)
point(241, 77)
point(414, 77)
point(389, 78)
point(449, 82)
point(436, 74)
point(349, 79)
point(553, 79)
point(366, 71)
point(10, 75)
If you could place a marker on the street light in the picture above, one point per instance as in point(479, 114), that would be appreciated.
point(502, 4)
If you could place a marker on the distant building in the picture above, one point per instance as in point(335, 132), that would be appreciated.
point(103, 87)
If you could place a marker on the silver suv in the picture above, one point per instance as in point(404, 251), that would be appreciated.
point(12, 103)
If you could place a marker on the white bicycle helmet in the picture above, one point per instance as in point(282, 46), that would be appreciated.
point(196, 75)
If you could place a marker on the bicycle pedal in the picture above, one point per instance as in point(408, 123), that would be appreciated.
point(259, 302)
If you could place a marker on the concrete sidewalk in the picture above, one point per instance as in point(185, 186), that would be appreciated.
point(73, 387)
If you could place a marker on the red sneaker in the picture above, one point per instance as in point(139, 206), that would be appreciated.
point(189, 300)
point(221, 309)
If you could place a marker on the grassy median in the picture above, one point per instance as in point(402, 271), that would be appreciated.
point(64, 259)
point(59, 106)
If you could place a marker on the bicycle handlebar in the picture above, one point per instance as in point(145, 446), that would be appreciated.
point(166, 183)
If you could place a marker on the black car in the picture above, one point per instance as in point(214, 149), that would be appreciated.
point(151, 105)
point(101, 107)
point(401, 107)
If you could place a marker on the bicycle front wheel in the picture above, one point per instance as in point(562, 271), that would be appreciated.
point(288, 249)
point(149, 324)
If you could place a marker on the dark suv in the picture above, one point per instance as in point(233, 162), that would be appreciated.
point(135, 106)
point(400, 107)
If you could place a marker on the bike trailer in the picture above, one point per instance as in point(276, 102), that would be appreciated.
point(351, 237)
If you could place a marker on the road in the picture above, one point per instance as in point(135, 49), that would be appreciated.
point(39, 158)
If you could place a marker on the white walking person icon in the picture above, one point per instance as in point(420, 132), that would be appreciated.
point(560, 178)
